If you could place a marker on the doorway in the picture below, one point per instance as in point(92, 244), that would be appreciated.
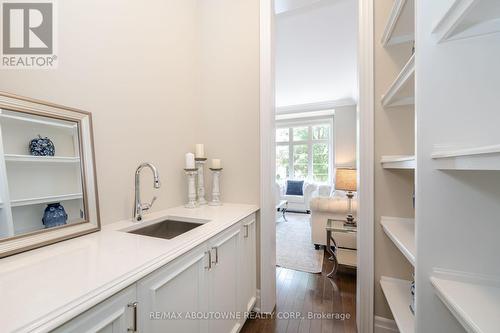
point(299, 162)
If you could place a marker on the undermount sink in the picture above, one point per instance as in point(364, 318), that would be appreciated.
point(166, 229)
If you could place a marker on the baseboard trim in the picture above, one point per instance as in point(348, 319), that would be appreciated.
point(256, 307)
point(384, 325)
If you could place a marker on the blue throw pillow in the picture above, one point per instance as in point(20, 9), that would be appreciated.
point(294, 187)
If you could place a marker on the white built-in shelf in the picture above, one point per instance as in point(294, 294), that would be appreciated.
point(469, 18)
point(476, 305)
point(469, 158)
point(40, 226)
point(38, 121)
point(398, 162)
point(400, 25)
point(42, 200)
point(402, 92)
point(397, 294)
point(402, 232)
point(40, 159)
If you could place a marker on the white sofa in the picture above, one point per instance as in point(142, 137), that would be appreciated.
point(298, 203)
point(331, 207)
point(323, 191)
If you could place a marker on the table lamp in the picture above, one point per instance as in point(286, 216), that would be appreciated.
point(345, 180)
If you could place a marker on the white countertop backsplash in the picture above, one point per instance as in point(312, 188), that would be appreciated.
point(43, 288)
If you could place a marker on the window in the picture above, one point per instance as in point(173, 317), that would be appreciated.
point(304, 151)
point(282, 160)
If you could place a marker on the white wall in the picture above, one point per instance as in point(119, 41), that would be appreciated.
point(316, 52)
point(136, 67)
point(230, 95)
point(345, 134)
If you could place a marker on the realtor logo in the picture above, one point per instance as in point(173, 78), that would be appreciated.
point(28, 34)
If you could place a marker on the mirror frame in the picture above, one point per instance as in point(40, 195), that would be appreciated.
point(92, 223)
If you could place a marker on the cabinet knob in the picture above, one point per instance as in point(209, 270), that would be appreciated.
point(246, 231)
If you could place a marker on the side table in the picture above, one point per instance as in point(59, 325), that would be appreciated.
point(338, 226)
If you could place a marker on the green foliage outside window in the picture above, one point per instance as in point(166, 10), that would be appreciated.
point(303, 152)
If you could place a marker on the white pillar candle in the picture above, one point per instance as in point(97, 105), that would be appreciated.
point(216, 163)
point(200, 150)
point(190, 161)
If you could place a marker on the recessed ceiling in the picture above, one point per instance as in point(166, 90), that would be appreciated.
point(316, 52)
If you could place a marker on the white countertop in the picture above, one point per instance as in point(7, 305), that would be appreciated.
point(43, 288)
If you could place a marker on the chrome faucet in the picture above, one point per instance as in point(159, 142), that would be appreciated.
point(139, 207)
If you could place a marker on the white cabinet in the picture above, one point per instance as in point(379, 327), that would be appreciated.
point(248, 265)
point(206, 290)
point(224, 283)
point(215, 282)
point(117, 314)
point(178, 289)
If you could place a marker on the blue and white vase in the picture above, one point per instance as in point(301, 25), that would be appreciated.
point(42, 147)
point(54, 215)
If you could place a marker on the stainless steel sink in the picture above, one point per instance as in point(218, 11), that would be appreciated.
point(166, 229)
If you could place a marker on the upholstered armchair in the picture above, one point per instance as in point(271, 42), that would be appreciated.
point(279, 193)
point(297, 202)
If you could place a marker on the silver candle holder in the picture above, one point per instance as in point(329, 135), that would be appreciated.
point(191, 176)
point(215, 187)
point(200, 165)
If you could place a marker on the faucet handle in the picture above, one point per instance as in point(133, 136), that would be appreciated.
point(152, 201)
point(148, 206)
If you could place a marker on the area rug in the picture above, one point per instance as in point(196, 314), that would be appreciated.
point(294, 248)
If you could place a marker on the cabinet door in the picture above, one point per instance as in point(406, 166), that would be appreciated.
point(171, 296)
point(248, 269)
point(224, 284)
point(114, 315)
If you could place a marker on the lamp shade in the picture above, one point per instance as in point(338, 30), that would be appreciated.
point(345, 179)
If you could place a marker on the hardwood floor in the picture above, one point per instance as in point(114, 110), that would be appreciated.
point(332, 302)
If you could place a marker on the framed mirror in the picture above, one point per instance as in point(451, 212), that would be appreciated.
point(48, 186)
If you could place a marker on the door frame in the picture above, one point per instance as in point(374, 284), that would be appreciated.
point(267, 234)
point(365, 164)
point(365, 160)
